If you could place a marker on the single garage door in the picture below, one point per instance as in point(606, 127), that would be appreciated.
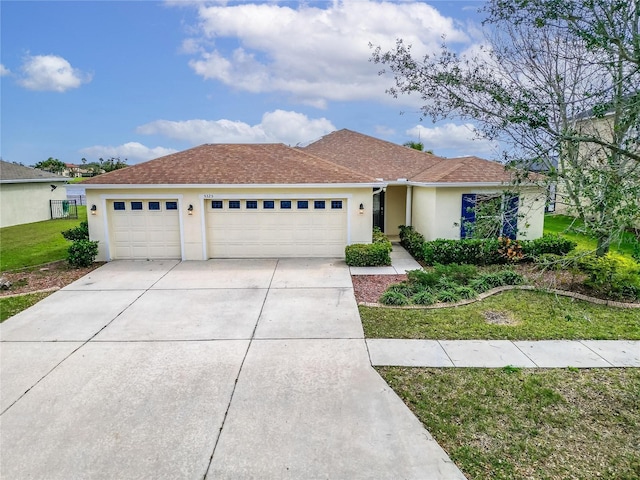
point(144, 229)
point(276, 228)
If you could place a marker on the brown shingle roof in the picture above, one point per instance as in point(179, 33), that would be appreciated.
point(11, 172)
point(381, 159)
point(465, 170)
point(243, 164)
point(371, 156)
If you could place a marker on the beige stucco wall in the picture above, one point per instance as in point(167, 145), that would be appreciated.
point(395, 208)
point(28, 202)
point(359, 224)
point(437, 211)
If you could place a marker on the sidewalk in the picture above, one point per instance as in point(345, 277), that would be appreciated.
point(502, 353)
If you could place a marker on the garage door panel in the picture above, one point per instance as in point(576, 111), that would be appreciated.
point(144, 234)
point(275, 232)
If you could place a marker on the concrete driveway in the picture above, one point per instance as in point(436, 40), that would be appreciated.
point(218, 369)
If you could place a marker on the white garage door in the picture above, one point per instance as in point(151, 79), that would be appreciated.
point(144, 229)
point(276, 228)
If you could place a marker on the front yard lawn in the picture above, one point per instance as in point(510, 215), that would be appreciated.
point(512, 315)
point(529, 424)
point(36, 243)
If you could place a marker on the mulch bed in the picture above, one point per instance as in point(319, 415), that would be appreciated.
point(57, 274)
point(368, 288)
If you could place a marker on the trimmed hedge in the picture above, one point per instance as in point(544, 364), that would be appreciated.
point(367, 255)
point(412, 241)
point(490, 251)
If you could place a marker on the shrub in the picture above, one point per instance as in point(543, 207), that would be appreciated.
point(423, 298)
point(81, 232)
point(368, 255)
point(448, 296)
point(487, 281)
point(460, 274)
point(468, 251)
point(466, 292)
point(394, 298)
point(425, 279)
point(612, 275)
point(82, 253)
point(548, 243)
point(405, 288)
point(412, 241)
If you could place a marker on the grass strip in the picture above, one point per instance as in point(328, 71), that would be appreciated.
point(512, 315)
point(523, 424)
point(11, 306)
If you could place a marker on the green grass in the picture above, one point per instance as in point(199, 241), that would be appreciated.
point(562, 224)
point(529, 424)
point(36, 243)
point(13, 305)
point(531, 316)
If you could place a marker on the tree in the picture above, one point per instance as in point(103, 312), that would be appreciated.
point(415, 145)
point(558, 83)
point(52, 165)
point(113, 163)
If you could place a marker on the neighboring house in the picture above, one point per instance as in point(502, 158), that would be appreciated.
point(25, 194)
point(270, 200)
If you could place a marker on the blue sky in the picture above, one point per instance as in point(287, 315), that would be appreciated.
point(141, 79)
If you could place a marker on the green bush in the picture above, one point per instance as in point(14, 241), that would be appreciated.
point(424, 298)
point(412, 241)
point(81, 232)
point(466, 292)
point(367, 255)
point(547, 244)
point(487, 281)
point(460, 274)
point(394, 298)
point(82, 253)
point(448, 296)
point(612, 275)
point(405, 288)
point(470, 251)
point(425, 279)
point(378, 236)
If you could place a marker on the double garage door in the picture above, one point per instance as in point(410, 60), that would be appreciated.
point(234, 228)
point(263, 228)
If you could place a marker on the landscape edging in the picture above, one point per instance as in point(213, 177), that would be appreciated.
point(493, 291)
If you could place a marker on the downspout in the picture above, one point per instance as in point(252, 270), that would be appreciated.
point(409, 206)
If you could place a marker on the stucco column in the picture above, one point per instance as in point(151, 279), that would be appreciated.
point(408, 216)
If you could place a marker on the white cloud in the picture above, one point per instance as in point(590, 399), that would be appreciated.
point(460, 139)
point(278, 126)
point(4, 70)
point(51, 73)
point(314, 54)
point(132, 151)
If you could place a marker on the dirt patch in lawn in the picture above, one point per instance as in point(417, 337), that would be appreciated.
point(58, 274)
point(495, 317)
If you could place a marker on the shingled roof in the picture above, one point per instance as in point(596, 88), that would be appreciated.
point(14, 173)
point(372, 156)
point(228, 164)
point(390, 161)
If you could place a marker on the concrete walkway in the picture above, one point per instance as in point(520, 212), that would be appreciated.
point(502, 353)
point(401, 261)
point(226, 369)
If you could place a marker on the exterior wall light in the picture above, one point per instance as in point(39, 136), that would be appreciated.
point(94, 210)
point(190, 209)
point(361, 210)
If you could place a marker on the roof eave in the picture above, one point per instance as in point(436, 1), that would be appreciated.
point(192, 186)
point(36, 180)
